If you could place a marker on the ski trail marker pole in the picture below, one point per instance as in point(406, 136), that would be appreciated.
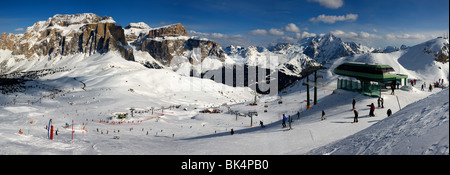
point(72, 129)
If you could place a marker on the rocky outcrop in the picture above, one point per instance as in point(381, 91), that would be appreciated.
point(69, 34)
point(171, 41)
point(171, 30)
point(7, 41)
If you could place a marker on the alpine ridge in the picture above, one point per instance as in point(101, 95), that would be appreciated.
point(68, 34)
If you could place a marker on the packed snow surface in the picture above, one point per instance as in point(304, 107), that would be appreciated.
point(419, 128)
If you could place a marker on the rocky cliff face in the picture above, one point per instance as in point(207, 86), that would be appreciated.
point(170, 30)
point(63, 35)
point(68, 34)
point(171, 41)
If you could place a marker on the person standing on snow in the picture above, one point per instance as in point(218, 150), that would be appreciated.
point(355, 120)
point(372, 110)
point(353, 103)
point(389, 112)
point(284, 121)
point(323, 115)
point(393, 89)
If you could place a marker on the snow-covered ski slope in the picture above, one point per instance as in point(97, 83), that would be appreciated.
point(94, 88)
point(420, 128)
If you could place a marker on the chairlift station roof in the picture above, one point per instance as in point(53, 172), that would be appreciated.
point(368, 72)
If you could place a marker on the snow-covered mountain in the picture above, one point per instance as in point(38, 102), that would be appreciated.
point(328, 47)
point(66, 35)
point(63, 35)
point(295, 57)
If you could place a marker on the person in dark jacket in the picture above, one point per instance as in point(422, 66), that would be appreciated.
point(353, 103)
point(389, 112)
point(355, 120)
point(232, 131)
point(323, 115)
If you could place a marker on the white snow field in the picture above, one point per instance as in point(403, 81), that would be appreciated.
point(96, 87)
point(420, 128)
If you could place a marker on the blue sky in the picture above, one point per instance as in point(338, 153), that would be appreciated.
point(261, 22)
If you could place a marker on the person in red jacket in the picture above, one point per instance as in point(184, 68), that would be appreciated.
point(372, 110)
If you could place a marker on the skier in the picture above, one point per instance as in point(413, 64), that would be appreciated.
point(353, 103)
point(372, 110)
point(232, 131)
point(392, 88)
point(389, 112)
point(323, 115)
point(379, 101)
point(262, 124)
point(382, 103)
point(422, 88)
point(430, 88)
point(284, 121)
point(355, 120)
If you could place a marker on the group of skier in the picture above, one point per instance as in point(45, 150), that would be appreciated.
point(437, 84)
point(371, 110)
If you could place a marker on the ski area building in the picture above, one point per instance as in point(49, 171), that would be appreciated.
point(371, 78)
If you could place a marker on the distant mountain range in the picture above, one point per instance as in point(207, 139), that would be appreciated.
point(170, 47)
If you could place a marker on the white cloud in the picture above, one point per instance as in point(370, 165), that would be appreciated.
point(354, 35)
point(258, 32)
point(332, 4)
point(214, 35)
point(332, 19)
point(364, 35)
point(273, 31)
point(306, 34)
point(296, 37)
point(19, 29)
point(406, 36)
point(291, 27)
